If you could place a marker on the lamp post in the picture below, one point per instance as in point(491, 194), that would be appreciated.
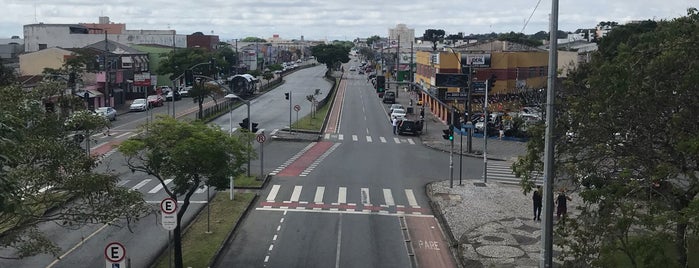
point(247, 103)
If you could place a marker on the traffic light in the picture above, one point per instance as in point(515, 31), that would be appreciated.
point(286, 95)
point(246, 123)
point(448, 133)
point(491, 81)
point(188, 78)
point(71, 79)
point(380, 83)
point(212, 64)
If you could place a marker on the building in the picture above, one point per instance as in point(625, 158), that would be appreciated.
point(404, 35)
point(34, 63)
point(41, 36)
point(207, 42)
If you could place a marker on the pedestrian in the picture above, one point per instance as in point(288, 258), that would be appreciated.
point(501, 131)
point(422, 113)
point(395, 124)
point(536, 198)
point(562, 204)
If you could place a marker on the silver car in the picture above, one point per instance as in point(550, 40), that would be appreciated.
point(107, 112)
point(139, 105)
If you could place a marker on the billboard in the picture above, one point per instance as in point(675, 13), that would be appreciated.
point(475, 60)
point(451, 80)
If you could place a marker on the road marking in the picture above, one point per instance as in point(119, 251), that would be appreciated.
point(354, 138)
point(76, 246)
point(274, 132)
point(340, 136)
point(273, 193)
point(382, 139)
point(140, 184)
point(411, 141)
point(159, 186)
point(296, 193)
point(327, 136)
point(411, 197)
point(260, 131)
point(319, 194)
point(365, 196)
point(342, 195)
point(201, 190)
point(388, 196)
point(396, 140)
point(122, 135)
point(119, 184)
point(339, 242)
point(337, 211)
point(368, 138)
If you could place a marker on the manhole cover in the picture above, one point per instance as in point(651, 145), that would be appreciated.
point(479, 184)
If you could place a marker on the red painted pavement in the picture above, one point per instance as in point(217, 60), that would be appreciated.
point(298, 166)
point(429, 244)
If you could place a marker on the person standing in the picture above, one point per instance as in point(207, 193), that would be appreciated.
point(562, 204)
point(536, 198)
point(395, 124)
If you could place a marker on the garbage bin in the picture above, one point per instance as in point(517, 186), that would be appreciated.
point(410, 110)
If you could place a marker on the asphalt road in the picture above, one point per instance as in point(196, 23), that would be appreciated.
point(344, 201)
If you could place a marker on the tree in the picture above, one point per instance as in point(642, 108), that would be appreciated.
point(331, 54)
point(373, 39)
point(7, 75)
point(634, 152)
point(181, 59)
point(251, 39)
point(520, 38)
point(367, 53)
point(45, 177)
point(201, 89)
point(267, 76)
point(433, 36)
point(192, 154)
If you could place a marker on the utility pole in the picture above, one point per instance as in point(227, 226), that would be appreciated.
point(106, 70)
point(469, 138)
point(547, 233)
point(397, 65)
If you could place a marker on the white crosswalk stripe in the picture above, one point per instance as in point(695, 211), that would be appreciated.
point(351, 196)
point(370, 139)
point(319, 195)
point(501, 171)
point(159, 187)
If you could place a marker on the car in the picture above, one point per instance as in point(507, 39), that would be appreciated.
point(107, 112)
point(389, 97)
point(352, 69)
point(170, 94)
point(398, 113)
point(156, 100)
point(184, 91)
point(298, 61)
point(395, 106)
point(407, 126)
point(139, 105)
point(278, 72)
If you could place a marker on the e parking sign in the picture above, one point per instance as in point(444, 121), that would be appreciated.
point(169, 218)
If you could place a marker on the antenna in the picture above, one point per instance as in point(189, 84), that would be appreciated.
point(35, 17)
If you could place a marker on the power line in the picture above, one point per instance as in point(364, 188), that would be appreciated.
point(530, 16)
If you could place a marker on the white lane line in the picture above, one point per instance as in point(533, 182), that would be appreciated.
point(365, 196)
point(327, 136)
point(159, 186)
point(201, 190)
point(267, 258)
point(355, 138)
point(388, 196)
point(296, 193)
point(274, 238)
point(119, 184)
point(411, 141)
point(342, 195)
point(273, 193)
point(319, 194)
point(383, 140)
point(337, 211)
point(339, 242)
point(140, 184)
point(76, 246)
point(396, 140)
point(122, 135)
point(368, 138)
point(411, 197)
point(340, 137)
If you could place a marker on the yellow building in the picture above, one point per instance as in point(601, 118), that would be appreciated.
point(34, 63)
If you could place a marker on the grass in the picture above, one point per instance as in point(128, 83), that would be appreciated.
point(315, 123)
point(619, 259)
point(198, 247)
point(245, 181)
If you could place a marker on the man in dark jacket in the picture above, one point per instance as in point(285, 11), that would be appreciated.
point(536, 198)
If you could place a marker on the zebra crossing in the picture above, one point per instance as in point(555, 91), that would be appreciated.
point(370, 139)
point(501, 171)
point(151, 186)
point(342, 200)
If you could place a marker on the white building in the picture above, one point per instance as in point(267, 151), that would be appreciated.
point(402, 32)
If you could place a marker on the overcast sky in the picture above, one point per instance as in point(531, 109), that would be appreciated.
point(334, 19)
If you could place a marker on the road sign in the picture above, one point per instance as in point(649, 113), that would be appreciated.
point(115, 253)
point(261, 138)
point(451, 80)
point(456, 95)
point(169, 218)
point(478, 87)
point(297, 107)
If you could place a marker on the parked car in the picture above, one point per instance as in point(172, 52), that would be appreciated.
point(107, 112)
point(139, 105)
point(170, 94)
point(156, 100)
point(407, 126)
point(389, 97)
point(398, 113)
point(184, 91)
point(395, 106)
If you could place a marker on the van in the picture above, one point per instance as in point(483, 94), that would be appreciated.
point(389, 97)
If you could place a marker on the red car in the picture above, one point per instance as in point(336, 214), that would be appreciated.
point(156, 100)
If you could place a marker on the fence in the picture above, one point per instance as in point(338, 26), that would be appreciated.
point(217, 109)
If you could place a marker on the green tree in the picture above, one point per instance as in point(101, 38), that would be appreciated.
point(42, 169)
point(181, 59)
point(373, 39)
point(331, 54)
point(267, 76)
point(201, 90)
point(191, 154)
point(520, 38)
point(634, 150)
point(434, 36)
point(251, 39)
point(7, 75)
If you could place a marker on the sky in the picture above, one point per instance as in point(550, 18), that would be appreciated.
point(334, 19)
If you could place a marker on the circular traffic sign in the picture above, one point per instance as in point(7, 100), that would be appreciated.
point(261, 138)
point(297, 107)
point(168, 205)
point(115, 252)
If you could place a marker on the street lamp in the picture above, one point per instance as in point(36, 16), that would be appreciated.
point(232, 96)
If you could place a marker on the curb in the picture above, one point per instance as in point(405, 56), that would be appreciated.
point(454, 245)
point(232, 232)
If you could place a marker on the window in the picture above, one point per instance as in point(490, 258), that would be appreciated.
point(42, 46)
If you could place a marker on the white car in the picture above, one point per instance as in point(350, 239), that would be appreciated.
point(139, 105)
point(107, 112)
point(395, 106)
point(398, 113)
point(184, 91)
